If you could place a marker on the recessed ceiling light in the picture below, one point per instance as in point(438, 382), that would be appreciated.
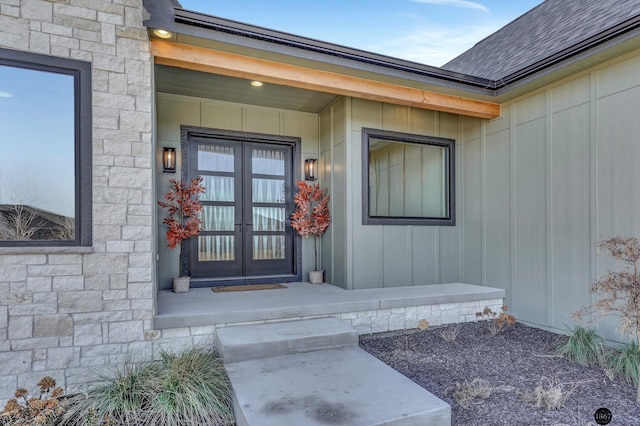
point(162, 33)
point(256, 83)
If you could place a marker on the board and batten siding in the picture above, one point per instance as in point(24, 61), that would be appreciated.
point(358, 256)
point(172, 111)
point(555, 174)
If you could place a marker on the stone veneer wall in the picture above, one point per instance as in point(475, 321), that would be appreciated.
point(71, 312)
point(381, 320)
point(366, 322)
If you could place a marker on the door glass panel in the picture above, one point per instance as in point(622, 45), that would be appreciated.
point(217, 218)
point(268, 191)
point(268, 218)
point(214, 158)
point(212, 248)
point(267, 162)
point(218, 188)
point(268, 247)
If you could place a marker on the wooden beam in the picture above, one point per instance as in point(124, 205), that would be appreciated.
point(234, 65)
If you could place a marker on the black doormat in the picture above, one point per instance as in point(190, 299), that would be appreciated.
point(247, 287)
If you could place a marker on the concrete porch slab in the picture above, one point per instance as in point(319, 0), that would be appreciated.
point(344, 386)
point(201, 306)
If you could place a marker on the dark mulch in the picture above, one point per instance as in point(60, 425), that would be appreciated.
point(518, 360)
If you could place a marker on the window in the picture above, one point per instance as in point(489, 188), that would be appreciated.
point(407, 179)
point(45, 150)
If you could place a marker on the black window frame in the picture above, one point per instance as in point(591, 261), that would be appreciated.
point(81, 73)
point(392, 136)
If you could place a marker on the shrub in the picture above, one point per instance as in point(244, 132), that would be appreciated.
point(550, 393)
point(497, 323)
point(467, 392)
point(450, 334)
point(40, 410)
point(619, 291)
point(584, 346)
point(625, 363)
point(188, 388)
point(122, 398)
point(192, 388)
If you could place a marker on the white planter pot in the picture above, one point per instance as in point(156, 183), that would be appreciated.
point(181, 284)
point(316, 277)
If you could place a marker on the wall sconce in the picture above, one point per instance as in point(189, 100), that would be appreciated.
point(310, 169)
point(168, 160)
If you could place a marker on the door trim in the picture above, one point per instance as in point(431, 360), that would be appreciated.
point(295, 142)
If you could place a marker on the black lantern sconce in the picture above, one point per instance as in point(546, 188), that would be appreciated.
point(310, 169)
point(168, 160)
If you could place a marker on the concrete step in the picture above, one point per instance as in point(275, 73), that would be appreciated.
point(258, 341)
point(344, 386)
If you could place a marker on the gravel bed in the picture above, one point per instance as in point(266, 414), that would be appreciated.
point(513, 364)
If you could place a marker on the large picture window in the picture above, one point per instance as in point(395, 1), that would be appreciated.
point(45, 150)
point(407, 179)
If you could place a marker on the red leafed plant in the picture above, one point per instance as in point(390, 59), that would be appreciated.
point(312, 216)
point(183, 206)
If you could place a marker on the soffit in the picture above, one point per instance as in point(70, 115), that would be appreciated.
point(186, 82)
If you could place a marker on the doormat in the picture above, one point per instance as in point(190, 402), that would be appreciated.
point(248, 287)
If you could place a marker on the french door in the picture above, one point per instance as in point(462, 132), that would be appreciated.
point(247, 205)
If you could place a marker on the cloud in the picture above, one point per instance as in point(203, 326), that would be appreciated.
point(456, 3)
point(5, 94)
point(436, 45)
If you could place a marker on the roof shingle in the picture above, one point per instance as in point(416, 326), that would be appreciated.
point(550, 27)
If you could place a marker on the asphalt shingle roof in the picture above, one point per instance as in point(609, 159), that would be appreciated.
point(550, 27)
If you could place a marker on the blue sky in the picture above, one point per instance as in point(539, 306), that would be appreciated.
point(37, 139)
point(431, 32)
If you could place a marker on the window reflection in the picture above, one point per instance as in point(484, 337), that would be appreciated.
point(37, 165)
point(407, 179)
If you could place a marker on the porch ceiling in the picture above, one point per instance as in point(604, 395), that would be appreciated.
point(187, 82)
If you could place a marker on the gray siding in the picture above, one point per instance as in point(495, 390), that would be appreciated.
point(333, 173)
point(556, 173)
point(375, 256)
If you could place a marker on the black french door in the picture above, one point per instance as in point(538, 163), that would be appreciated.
point(247, 205)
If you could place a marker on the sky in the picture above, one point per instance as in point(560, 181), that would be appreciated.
point(37, 139)
point(430, 32)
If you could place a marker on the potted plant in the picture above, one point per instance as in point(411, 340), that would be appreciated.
point(183, 222)
point(311, 218)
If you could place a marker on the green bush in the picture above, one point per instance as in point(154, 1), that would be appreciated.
point(625, 363)
point(192, 388)
point(584, 346)
point(188, 388)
